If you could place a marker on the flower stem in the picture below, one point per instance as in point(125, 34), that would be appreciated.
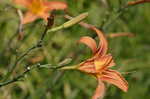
point(69, 67)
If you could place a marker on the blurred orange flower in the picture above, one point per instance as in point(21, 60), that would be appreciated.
point(39, 8)
point(99, 65)
point(130, 3)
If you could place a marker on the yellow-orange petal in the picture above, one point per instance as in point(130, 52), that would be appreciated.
point(99, 63)
point(100, 91)
point(104, 62)
point(115, 78)
point(103, 45)
point(89, 42)
point(87, 67)
point(109, 62)
point(55, 5)
point(29, 17)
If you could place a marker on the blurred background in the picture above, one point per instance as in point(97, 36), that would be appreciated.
point(131, 53)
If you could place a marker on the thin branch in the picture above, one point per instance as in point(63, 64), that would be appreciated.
point(18, 31)
point(121, 10)
point(49, 25)
point(15, 79)
point(38, 45)
point(107, 16)
point(110, 22)
point(37, 66)
point(20, 28)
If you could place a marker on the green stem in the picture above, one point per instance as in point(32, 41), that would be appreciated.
point(70, 23)
point(56, 29)
point(17, 78)
point(69, 67)
point(48, 66)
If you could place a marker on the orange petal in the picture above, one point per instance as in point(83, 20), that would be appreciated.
point(87, 67)
point(104, 62)
point(100, 91)
point(44, 16)
point(89, 42)
point(103, 45)
point(29, 17)
point(56, 5)
point(109, 62)
point(114, 77)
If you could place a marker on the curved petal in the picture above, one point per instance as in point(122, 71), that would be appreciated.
point(29, 17)
point(100, 91)
point(115, 78)
point(89, 42)
point(55, 5)
point(103, 45)
point(109, 61)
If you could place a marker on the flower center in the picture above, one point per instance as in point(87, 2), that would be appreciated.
point(99, 64)
point(36, 6)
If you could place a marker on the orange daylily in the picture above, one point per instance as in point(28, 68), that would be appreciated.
point(99, 65)
point(39, 8)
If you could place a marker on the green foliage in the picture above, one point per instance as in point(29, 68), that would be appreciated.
point(131, 54)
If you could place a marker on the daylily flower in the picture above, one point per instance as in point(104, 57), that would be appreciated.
point(99, 65)
point(39, 8)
